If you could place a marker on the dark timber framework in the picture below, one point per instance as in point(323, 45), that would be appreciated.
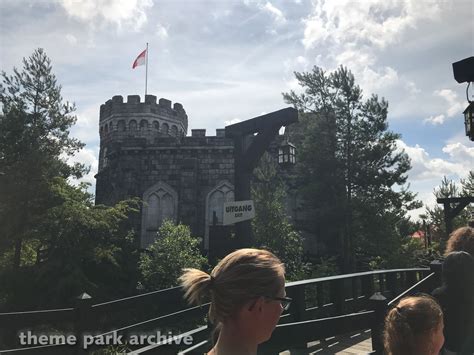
point(451, 212)
point(248, 149)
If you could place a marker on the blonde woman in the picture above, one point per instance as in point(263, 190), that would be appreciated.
point(414, 327)
point(247, 294)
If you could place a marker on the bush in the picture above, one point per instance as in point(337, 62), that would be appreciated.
point(173, 250)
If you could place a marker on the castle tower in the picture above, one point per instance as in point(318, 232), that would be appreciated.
point(124, 121)
point(145, 152)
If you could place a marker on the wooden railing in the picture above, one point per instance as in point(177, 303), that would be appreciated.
point(321, 308)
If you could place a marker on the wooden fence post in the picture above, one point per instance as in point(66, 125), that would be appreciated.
point(82, 320)
point(392, 283)
point(338, 295)
point(367, 285)
point(378, 304)
point(436, 266)
point(298, 306)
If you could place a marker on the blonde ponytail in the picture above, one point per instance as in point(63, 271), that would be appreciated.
point(196, 285)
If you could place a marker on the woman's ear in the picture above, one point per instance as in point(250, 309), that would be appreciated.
point(256, 304)
point(259, 304)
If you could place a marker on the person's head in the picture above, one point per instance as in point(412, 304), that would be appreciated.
point(462, 239)
point(242, 288)
point(414, 326)
point(458, 270)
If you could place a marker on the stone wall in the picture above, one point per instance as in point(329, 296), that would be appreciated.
point(191, 166)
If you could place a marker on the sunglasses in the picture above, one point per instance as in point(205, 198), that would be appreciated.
point(284, 301)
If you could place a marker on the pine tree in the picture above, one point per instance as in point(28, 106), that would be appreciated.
point(34, 145)
point(350, 164)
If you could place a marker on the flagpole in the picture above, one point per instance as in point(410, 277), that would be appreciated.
point(146, 70)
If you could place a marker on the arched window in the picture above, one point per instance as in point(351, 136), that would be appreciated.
point(106, 129)
point(132, 125)
point(143, 125)
point(121, 126)
point(156, 125)
point(165, 128)
point(223, 192)
point(161, 202)
point(104, 158)
point(174, 131)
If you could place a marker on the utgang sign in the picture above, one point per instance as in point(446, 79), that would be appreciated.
point(238, 211)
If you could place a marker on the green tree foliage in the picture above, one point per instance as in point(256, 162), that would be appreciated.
point(34, 143)
point(271, 227)
point(173, 250)
point(353, 175)
point(84, 248)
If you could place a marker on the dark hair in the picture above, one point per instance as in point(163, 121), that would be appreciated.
point(458, 270)
point(409, 325)
point(462, 239)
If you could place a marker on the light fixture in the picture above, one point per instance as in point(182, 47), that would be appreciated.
point(286, 153)
point(469, 120)
point(464, 72)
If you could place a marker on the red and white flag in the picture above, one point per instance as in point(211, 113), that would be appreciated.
point(140, 59)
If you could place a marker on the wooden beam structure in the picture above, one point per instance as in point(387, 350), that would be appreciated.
point(450, 211)
point(251, 139)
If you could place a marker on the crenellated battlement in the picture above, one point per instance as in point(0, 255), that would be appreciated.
point(116, 105)
point(121, 120)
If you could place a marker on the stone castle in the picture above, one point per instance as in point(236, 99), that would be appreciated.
point(145, 152)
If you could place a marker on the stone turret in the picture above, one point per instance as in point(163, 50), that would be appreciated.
point(121, 121)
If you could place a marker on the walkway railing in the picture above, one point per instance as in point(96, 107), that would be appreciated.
point(321, 308)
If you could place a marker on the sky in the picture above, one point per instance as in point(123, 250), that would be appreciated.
point(230, 60)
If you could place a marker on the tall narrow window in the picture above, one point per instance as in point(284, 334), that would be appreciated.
point(160, 203)
point(223, 192)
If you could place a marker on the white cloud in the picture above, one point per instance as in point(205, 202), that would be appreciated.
point(161, 32)
point(88, 157)
point(301, 60)
point(355, 33)
point(372, 80)
point(411, 87)
point(435, 120)
point(378, 22)
point(86, 128)
point(427, 172)
point(454, 105)
point(71, 39)
point(298, 64)
point(314, 32)
point(130, 13)
point(458, 163)
point(460, 153)
point(359, 58)
point(275, 12)
point(362, 62)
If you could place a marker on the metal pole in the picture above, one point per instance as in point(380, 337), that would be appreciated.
point(146, 70)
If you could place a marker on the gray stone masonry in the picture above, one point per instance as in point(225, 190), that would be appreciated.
point(133, 160)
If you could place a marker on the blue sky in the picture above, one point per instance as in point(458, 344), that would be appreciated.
point(230, 60)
